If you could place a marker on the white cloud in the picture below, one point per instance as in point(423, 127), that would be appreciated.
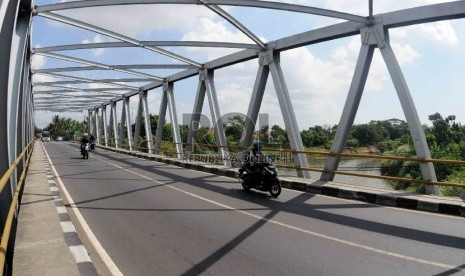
point(138, 20)
point(97, 39)
point(442, 32)
point(38, 62)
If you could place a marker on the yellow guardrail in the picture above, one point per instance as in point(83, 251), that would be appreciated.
point(11, 212)
point(348, 155)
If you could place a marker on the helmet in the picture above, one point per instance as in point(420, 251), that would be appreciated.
point(256, 146)
point(85, 134)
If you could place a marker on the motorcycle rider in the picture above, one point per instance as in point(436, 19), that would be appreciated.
point(92, 142)
point(84, 140)
point(251, 159)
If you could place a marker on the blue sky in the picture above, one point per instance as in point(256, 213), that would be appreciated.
point(432, 58)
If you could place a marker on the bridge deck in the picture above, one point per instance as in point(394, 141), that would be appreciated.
point(42, 248)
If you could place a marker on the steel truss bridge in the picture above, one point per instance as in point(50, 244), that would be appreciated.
point(21, 97)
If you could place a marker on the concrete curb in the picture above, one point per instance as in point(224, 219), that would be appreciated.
point(400, 199)
point(46, 242)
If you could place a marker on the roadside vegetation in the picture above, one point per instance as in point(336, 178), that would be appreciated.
point(445, 139)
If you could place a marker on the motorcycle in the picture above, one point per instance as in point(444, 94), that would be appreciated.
point(262, 176)
point(85, 149)
point(92, 145)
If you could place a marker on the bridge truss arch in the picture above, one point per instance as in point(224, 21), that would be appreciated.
point(21, 96)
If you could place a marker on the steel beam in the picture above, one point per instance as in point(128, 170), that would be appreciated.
point(148, 126)
point(138, 122)
point(244, 3)
point(99, 65)
point(96, 68)
point(114, 123)
point(254, 105)
point(92, 28)
point(290, 121)
point(160, 123)
point(411, 115)
point(195, 116)
point(234, 22)
point(350, 110)
point(105, 126)
point(220, 135)
point(97, 125)
point(168, 90)
point(127, 112)
point(205, 44)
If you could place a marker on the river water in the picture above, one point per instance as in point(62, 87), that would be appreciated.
point(362, 166)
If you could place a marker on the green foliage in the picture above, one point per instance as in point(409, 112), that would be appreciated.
point(65, 127)
point(445, 141)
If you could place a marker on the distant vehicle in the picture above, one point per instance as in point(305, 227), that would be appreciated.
point(46, 136)
point(59, 138)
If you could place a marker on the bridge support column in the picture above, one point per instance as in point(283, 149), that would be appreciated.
point(97, 125)
point(114, 124)
point(195, 116)
point(160, 122)
point(350, 110)
point(254, 105)
point(372, 36)
point(220, 135)
point(148, 126)
point(105, 125)
point(207, 86)
point(127, 113)
point(89, 121)
point(416, 129)
point(272, 59)
point(168, 101)
point(138, 121)
point(168, 90)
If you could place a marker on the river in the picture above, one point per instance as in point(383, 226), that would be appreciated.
point(362, 166)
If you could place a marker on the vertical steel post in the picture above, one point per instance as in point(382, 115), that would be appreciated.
point(290, 121)
point(17, 54)
point(89, 121)
point(138, 121)
point(254, 105)
point(350, 110)
point(168, 89)
point(122, 122)
point(220, 135)
point(148, 127)
point(413, 121)
point(160, 122)
point(128, 123)
point(97, 125)
point(105, 125)
point(196, 112)
point(114, 122)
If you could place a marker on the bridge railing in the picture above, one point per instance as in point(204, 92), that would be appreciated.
point(5, 238)
point(141, 147)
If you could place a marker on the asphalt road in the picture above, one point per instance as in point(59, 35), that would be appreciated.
point(156, 219)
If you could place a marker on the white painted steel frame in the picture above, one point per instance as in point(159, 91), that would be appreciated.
point(391, 20)
point(127, 117)
point(114, 124)
point(105, 126)
point(148, 126)
point(168, 90)
point(160, 122)
point(92, 28)
point(254, 105)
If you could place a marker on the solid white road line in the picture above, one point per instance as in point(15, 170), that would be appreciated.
point(291, 227)
point(90, 235)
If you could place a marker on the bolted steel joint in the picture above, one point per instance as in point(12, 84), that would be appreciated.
point(374, 34)
point(265, 58)
point(203, 75)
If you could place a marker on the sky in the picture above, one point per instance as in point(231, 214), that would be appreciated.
point(431, 56)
